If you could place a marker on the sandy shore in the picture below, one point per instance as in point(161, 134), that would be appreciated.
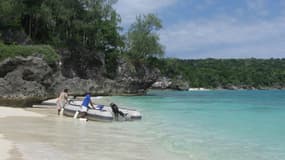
point(39, 133)
point(17, 112)
point(7, 148)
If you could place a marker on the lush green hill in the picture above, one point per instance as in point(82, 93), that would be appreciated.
point(213, 73)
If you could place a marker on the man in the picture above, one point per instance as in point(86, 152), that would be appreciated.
point(61, 100)
point(85, 105)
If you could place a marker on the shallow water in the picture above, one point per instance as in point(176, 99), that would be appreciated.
point(211, 125)
point(216, 125)
point(63, 138)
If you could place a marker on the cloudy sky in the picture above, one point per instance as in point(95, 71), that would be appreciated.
point(214, 28)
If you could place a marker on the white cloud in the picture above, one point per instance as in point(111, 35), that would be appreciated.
point(225, 37)
point(129, 9)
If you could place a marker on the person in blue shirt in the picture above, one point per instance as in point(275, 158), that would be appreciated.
point(85, 105)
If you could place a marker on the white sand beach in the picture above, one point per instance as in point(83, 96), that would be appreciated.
point(38, 133)
point(17, 112)
point(6, 146)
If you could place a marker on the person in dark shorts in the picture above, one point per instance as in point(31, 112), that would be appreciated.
point(116, 111)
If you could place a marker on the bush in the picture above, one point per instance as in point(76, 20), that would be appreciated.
point(47, 51)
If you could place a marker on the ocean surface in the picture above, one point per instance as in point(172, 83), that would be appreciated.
point(198, 125)
point(214, 125)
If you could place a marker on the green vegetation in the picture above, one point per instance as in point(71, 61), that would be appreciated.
point(213, 73)
point(86, 27)
point(47, 51)
point(88, 23)
point(89, 26)
point(142, 40)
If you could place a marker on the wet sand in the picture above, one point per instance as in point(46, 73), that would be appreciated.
point(7, 147)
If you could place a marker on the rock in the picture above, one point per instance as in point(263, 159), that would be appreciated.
point(25, 81)
point(130, 80)
point(73, 65)
point(24, 78)
point(166, 83)
point(162, 83)
point(136, 79)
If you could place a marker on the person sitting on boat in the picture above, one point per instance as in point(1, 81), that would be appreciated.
point(62, 100)
point(116, 110)
point(85, 105)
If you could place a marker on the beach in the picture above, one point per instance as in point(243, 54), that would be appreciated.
point(38, 133)
point(201, 125)
point(7, 147)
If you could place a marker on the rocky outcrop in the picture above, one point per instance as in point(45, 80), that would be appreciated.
point(162, 83)
point(130, 80)
point(25, 81)
point(24, 78)
point(167, 83)
point(74, 65)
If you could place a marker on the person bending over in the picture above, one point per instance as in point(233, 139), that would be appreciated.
point(116, 111)
point(85, 103)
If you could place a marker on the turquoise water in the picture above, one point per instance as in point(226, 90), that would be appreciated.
point(214, 125)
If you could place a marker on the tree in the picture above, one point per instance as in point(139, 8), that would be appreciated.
point(142, 39)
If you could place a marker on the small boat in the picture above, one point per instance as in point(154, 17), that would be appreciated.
point(131, 113)
point(49, 102)
point(102, 112)
point(92, 114)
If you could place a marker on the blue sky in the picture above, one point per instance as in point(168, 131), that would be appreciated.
point(214, 28)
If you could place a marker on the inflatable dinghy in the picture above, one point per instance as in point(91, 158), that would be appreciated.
point(92, 114)
point(131, 114)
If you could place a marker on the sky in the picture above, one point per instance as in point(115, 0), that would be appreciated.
point(194, 29)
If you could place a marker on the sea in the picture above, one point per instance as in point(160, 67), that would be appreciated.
point(176, 125)
point(214, 125)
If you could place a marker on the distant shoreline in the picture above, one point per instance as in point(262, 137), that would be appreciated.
point(217, 89)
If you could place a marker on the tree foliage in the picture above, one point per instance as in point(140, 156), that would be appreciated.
point(142, 38)
point(89, 23)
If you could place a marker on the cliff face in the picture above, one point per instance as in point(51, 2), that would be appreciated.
point(174, 84)
point(24, 81)
point(80, 77)
point(25, 78)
